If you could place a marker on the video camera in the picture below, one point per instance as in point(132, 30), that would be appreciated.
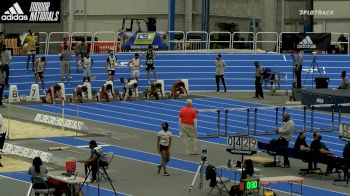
point(204, 153)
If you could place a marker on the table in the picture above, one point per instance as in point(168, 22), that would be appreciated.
point(70, 181)
point(238, 169)
point(265, 181)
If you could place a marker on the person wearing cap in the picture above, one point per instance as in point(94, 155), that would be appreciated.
point(150, 54)
point(220, 67)
point(345, 81)
point(188, 128)
point(258, 80)
point(163, 147)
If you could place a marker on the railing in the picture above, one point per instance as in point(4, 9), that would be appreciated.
point(43, 42)
point(179, 40)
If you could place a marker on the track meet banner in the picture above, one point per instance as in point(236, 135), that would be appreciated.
point(305, 41)
point(30, 11)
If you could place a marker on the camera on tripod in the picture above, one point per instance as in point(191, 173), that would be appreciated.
point(204, 153)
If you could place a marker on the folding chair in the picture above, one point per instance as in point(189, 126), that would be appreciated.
point(102, 170)
point(40, 187)
point(216, 181)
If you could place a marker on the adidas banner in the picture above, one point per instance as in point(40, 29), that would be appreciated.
point(27, 11)
point(302, 41)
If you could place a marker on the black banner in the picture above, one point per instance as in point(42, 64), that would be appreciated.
point(34, 11)
point(302, 41)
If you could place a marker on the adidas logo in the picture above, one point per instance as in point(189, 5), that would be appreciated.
point(306, 43)
point(15, 12)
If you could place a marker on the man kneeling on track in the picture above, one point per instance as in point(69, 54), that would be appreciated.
point(105, 91)
point(178, 89)
point(54, 92)
point(128, 88)
point(152, 90)
point(78, 95)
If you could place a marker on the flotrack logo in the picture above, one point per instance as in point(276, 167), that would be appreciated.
point(15, 12)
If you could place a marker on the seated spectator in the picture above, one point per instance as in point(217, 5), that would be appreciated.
point(152, 90)
point(129, 87)
point(248, 172)
point(345, 81)
point(320, 148)
point(301, 146)
point(52, 93)
point(78, 95)
point(178, 89)
point(105, 91)
point(285, 133)
point(346, 155)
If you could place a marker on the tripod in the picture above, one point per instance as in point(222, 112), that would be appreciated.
point(200, 173)
point(312, 69)
point(98, 180)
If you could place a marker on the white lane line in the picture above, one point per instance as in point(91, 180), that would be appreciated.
point(284, 58)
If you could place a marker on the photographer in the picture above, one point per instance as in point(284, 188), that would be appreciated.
point(298, 67)
point(96, 159)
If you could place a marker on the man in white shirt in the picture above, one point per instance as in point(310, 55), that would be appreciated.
point(111, 65)
point(285, 133)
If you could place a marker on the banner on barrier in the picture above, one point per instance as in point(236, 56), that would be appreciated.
point(56, 121)
point(27, 11)
point(302, 41)
point(27, 152)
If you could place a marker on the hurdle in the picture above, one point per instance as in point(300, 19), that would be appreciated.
point(217, 133)
point(340, 108)
point(304, 108)
point(256, 119)
point(226, 119)
point(312, 126)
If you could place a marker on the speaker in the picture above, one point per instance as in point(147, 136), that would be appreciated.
point(321, 82)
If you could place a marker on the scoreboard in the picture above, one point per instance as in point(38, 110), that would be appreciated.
point(344, 131)
point(242, 145)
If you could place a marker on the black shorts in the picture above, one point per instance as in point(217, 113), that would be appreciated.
point(40, 75)
point(111, 72)
point(161, 147)
point(80, 93)
point(150, 67)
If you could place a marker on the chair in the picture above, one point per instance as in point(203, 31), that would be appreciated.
point(41, 187)
point(102, 170)
point(216, 181)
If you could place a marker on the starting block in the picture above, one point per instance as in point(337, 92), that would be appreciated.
point(63, 91)
point(13, 94)
point(185, 81)
point(34, 93)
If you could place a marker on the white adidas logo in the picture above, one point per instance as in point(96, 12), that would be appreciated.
point(306, 43)
point(15, 12)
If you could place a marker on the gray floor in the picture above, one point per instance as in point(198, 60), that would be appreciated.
point(139, 178)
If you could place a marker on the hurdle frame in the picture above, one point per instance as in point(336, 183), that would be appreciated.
point(217, 134)
point(340, 106)
point(304, 113)
point(256, 119)
point(332, 106)
point(226, 121)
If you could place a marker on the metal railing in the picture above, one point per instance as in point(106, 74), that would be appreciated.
point(244, 41)
point(217, 41)
point(105, 44)
point(50, 41)
point(43, 42)
point(72, 41)
point(198, 40)
point(275, 34)
point(176, 43)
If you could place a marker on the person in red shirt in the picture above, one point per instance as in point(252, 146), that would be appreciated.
point(188, 128)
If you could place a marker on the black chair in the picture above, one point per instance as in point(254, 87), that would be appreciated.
point(216, 181)
point(41, 187)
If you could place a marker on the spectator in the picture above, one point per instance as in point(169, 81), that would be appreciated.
point(80, 50)
point(79, 92)
point(346, 155)
point(258, 81)
point(150, 54)
point(177, 89)
point(285, 133)
point(96, 159)
point(163, 146)
point(134, 65)
point(31, 40)
point(65, 67)
point(111, 64)
point(320, 149)
point(345, 81)
point(6, 60)
point(87, 65)
point(52, 93)
point(188, 128)
point(302, 147)
point(40, 65)
point(220, 67)
point(105, 91)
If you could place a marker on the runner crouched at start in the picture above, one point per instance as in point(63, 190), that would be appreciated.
point(80, 92)
point(105, 91)
point(178, 89)
point(152, 90)
point(52, 93)
point(129, 88)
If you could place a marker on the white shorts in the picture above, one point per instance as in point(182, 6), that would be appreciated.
point(31, 52)
point(87, 73)
point(135, 74)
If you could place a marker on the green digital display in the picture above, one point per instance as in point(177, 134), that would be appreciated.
point(252, 184)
